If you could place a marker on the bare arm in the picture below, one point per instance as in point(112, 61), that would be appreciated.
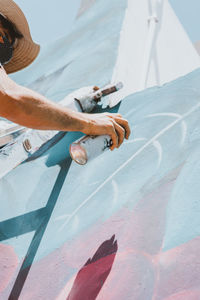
point(28, 108)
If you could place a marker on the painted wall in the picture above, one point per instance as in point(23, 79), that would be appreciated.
point(124, 226)
point(84, 6)
point(48, 19)
point(197, 46)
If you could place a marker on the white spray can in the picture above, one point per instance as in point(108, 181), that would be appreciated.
point(89, 147)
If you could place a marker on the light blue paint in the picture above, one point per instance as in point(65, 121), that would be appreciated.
point(188, 14)
point(184, 207)
point(49, 19)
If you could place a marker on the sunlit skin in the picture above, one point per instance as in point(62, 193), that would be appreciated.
point(30, 109)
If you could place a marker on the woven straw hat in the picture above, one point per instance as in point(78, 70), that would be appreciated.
point(26, 50)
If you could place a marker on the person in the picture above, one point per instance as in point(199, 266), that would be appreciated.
point(27, 107)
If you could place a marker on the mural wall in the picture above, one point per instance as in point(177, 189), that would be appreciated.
point(124, 226)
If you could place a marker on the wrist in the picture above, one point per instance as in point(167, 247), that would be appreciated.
point(83, 122)
point(79, 122)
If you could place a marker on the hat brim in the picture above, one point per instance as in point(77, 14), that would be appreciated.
point(26, 50)
point(23, 55)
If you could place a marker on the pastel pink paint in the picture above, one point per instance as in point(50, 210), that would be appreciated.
point(185, 295)
point(8, 265)
point(179, 270)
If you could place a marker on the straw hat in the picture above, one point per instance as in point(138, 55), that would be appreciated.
point(26, 50)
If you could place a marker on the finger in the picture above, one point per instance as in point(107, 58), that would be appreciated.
point(114, 137)
point(114, 115)
point(124, 123)
point(120, 132)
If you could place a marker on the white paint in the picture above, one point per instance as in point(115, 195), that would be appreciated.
point(151, 53)
point(153, 23)
point(165, 114)
point(178, 116)
point(158, 147)
point(184, 132)
point(135, 140)
point(156, 144)
point(63, 217)
point(115, 192)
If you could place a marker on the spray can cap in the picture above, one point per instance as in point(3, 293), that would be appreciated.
point(78, 153)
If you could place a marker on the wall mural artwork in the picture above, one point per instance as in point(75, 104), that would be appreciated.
point(145, 193)
point(125, 225)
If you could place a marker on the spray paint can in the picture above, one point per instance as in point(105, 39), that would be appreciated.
point(89, 147)
point(88, 102)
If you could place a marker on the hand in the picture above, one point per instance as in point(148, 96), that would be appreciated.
point(113, 125)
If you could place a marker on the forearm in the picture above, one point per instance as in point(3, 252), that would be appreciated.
point(30, 109)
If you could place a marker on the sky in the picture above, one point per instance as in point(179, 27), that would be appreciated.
point(51, 19)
